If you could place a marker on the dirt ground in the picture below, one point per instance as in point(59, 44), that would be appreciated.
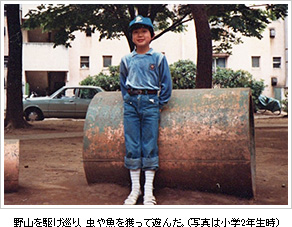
point(51, 170)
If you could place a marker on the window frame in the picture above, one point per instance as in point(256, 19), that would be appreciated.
point(84, 62)
point(107, 57)
point(258, 63)
point(215, 62)
point(277, 62)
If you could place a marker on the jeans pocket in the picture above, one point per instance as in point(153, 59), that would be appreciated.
point(154, 100)
point(126, 97)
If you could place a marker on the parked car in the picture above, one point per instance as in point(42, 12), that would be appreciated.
point(67, 102)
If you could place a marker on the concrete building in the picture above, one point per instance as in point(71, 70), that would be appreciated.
point(45, 69)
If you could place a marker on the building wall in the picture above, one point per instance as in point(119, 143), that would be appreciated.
point(42, 56)
point(91, 47)
point(266, 48)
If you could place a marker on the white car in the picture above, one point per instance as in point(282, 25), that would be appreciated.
point(67, 102)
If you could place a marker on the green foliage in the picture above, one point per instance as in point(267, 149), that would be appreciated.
point(228, 22)
point(65, 19)
point(107, 82)
point(183, 73)
point(89, 80)
point(225, 20)
point(228, 78)
point(285, 102)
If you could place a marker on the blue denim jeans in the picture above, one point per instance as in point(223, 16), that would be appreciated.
point(141, 123)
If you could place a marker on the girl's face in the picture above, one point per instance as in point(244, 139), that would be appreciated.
point(141, 37)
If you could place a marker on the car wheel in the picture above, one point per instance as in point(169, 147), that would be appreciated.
point(33, 115)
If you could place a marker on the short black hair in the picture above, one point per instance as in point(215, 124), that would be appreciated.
point(137, 26)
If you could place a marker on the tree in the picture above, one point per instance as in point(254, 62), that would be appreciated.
point(111, 20)
point(204, 47)
point(14, 112)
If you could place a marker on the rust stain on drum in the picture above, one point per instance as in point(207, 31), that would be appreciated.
point(11, 165)
point(206, 141)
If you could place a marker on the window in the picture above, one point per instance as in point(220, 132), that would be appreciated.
point(88, 32)
point(38, 36)
point(218, 62)
point(221, 62)
point(6, 61)
point(107, 61)
point(84, 62)
point(67, 93)
point(255, 62)
point(276, 62)
point(87, 93)
point(272, 32)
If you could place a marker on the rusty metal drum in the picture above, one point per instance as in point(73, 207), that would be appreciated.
point(206, 141)
point(11, 165)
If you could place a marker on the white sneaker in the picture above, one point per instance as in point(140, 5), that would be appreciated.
point(149, 200)
point(132, 198)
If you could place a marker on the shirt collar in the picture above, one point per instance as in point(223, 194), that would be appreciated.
point(150, 52)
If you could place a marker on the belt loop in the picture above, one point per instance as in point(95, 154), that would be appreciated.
point(146, 92)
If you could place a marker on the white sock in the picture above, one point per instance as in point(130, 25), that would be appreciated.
point(135, 178)
point(148, 187)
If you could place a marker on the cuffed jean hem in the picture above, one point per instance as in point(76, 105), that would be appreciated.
point(144, 163)
point(132, 163)
point(150, 163)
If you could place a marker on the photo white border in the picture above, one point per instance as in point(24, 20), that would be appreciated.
point(8, 212)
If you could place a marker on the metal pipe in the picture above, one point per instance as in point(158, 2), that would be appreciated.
point(11, 165)
point(206, 141)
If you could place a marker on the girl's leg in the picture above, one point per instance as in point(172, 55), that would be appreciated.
point(132, 134)
point(136, 191)
point(149, 199)
point(149, 133)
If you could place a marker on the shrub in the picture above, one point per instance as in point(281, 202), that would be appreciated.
point(89, 80)
point(285, 102)
point(107, 82)
point(183, 73)
point(228, 78)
